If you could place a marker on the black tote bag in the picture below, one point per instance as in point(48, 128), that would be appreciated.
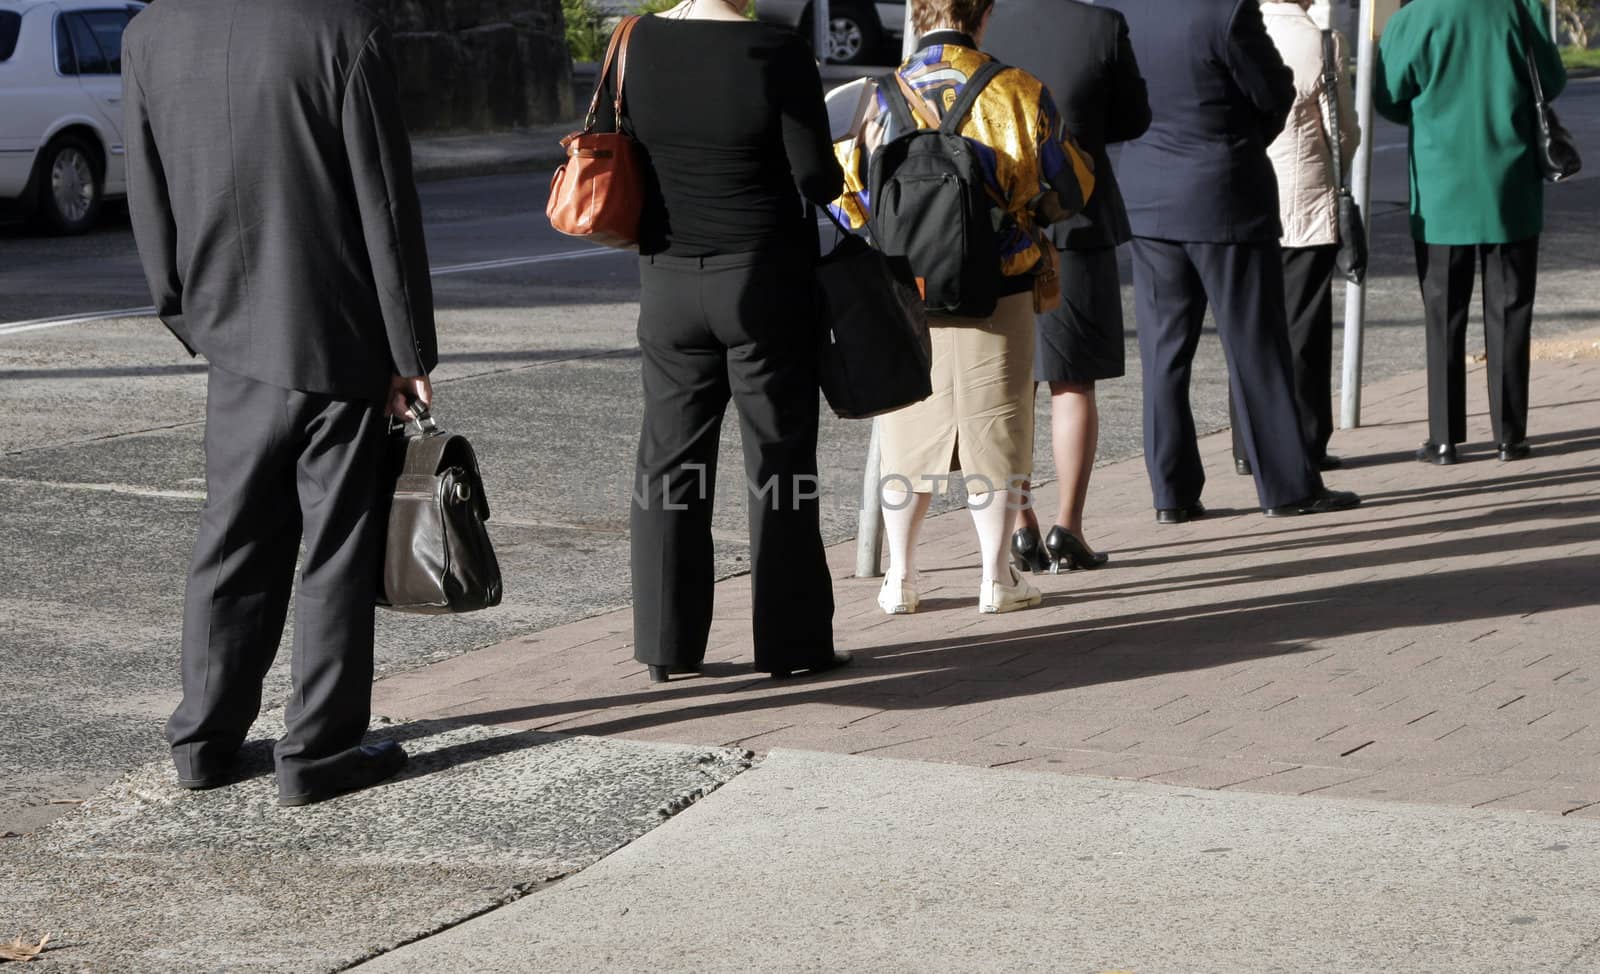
point(1352, 259)
point(875, 349)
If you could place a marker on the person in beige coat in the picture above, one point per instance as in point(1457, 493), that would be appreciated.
point(1308, 198)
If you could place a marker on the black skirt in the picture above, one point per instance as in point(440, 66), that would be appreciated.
point(1082, 340)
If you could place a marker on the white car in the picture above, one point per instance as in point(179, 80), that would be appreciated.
point(61, 151)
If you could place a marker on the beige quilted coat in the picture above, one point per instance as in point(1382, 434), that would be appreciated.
point(1301, 156)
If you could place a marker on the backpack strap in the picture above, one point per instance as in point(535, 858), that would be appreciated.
point(899, 107)
point(969, 96)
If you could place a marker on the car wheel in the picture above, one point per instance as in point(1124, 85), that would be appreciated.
point(71, 185)
point(853, 35)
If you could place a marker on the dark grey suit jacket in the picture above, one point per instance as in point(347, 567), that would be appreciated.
point(1220, 94)
point(270, 185)
point(1082, 55)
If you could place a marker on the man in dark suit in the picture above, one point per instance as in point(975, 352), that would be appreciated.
point(1082, 55)
point(270, 186)
point(1203, 203)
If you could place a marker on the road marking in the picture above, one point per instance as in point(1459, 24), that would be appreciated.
point(63, 321)
point(177, 495)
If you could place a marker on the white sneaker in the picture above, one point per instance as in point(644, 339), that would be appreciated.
point(898, 597)
point(999, 597)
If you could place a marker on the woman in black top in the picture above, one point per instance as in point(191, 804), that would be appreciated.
point(730, 114)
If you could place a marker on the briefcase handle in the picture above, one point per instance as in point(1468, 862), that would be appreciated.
point(426, 424)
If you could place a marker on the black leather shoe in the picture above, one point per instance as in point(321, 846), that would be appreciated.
point(215, 779)
point(1329, 462)
point(1241, 466)
point(375, 763)
point(1323, 502)
point(837, 660)
point(1439, 454)
point(1067, 552)
point(1520, 450)
point(1028, 552)
point(660, 674)
point(1178, 515)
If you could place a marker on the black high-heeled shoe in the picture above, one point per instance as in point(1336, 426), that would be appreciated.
point(1066, 550)
point(1027, 552)
point(660, 674)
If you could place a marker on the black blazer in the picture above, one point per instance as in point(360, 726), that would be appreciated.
point(1082, 55)
point(270, 186)
point(1220, 94)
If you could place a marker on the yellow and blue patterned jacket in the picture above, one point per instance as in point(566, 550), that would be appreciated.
point(1034, 171)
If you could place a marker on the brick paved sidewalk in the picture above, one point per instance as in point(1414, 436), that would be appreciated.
point(1438, 645)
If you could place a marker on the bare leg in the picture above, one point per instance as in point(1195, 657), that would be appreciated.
point(903, 513)
point(1075, 437)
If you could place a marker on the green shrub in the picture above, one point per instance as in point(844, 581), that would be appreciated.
point(1577, 57)
point(587, 31)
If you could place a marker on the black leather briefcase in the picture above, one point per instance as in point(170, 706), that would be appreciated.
point(438, 557)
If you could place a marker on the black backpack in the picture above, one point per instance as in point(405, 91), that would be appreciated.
point(930, 204)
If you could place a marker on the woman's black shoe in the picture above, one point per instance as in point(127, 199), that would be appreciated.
point(1438, 454)
point(1027, 551)
point(660, 674)
point(1066, 551)
point(833, 663)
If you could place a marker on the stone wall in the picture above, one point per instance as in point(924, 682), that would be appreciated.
point(477, 65)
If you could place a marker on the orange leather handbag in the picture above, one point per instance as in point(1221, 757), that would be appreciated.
point(598, 193)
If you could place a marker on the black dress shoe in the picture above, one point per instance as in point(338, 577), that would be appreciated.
point(214, 779)
point(1322, 502)
point(1067, 552)
point(832, 663)
point(1329, 462)
point(1519, 450)
point(1178, 515)
point(1241, 466)
point(660, 674)
point(1028, 552)
point(373, 763)
point(1439, 454)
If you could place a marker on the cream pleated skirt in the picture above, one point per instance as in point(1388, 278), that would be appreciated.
point(979, 419)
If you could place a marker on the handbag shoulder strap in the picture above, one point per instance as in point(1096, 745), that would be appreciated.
point(616, 53)
point(1330, 108)
point(1528, 59)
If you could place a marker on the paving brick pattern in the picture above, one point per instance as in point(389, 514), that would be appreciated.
point(1440, 644)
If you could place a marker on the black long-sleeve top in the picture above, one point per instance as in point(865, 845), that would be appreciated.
point(731, 117)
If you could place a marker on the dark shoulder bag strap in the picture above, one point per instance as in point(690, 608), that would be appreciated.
point(896, 99)
point(1529, 61)
point(969, 96)
point(1330, 109)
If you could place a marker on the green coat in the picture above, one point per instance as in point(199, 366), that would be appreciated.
point(1454, 70)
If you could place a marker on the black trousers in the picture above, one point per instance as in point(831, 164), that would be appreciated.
point(711, 329)
point(1173, 281)
point(282, 466)
point(1308, 298)
point(1510, 273)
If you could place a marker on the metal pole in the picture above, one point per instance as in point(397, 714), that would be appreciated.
point(1355, 295)
point(1555, 24)
point(821, 30)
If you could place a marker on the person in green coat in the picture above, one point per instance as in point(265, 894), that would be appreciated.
point(1456, 72)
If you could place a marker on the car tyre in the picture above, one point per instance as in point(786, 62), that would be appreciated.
point(70, 186)
point(854, 36)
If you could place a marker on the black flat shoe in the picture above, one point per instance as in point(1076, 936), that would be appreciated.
point(660, 674)
point(1520, 450)
point(1438, 454)
point(1066, 551)
point(1027, 552)
point(1329, 462)
point(1241, 467)
point(1324, 502)
point(375, 763)
point(833, 663)
point(1178, 515)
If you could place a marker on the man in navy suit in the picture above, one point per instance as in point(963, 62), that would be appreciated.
point(1203, 203)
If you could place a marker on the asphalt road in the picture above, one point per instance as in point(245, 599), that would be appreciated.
point(101, 467)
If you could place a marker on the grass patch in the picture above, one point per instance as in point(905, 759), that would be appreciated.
point(1577, 58)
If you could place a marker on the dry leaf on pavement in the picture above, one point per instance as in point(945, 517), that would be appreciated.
point(19, 951)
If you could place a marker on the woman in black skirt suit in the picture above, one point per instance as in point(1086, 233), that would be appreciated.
point(730, 114)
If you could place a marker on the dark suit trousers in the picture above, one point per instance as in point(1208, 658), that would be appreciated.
point(1308, 295)
point(711, 329)
point(282, 466)
point(1510, 272)
point(1243, 282)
